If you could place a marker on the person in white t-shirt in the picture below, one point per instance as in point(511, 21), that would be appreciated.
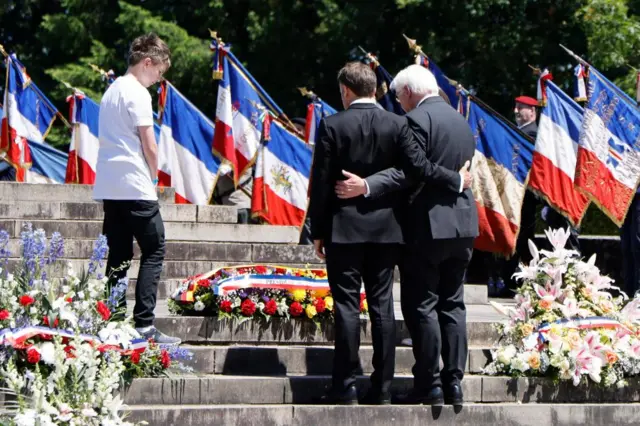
point(126, 178)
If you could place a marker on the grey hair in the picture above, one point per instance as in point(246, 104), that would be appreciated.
point(416, 78)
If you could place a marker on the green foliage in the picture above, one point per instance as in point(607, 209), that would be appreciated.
point(487, 45)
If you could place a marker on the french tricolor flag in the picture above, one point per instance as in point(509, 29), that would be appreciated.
point(28, 116)
point(608, 164)
point(240, 106)
point(316, 111)
point(500, 170)
point(554, 160)
point(185, 159)
point(83, 152)
point(281, 178)
point(48, 164)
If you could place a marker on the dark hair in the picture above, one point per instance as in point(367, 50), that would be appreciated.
point(149, 46)
point(358, 77)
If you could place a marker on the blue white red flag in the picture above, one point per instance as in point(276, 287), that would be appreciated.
point(28, 116)
point(448, 89)
point(48, 164)
point(316, 111)
point(185, 159)
point(500, 169)
point(608, 165)
point(281, 179)
point(83, 152)
point(241, 103)
point(554, 160)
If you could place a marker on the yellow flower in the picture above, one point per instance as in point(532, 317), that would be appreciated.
point(328, 302)
point(311, 311)
point(320, 293)
point(299, 295)
point(534, 360)
point(365, 305)
point(526, 329)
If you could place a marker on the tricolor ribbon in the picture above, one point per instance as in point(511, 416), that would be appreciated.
point(581, 324)
point(542, 86)
point(579, 87)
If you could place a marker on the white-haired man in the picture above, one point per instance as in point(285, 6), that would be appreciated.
point(440, 227)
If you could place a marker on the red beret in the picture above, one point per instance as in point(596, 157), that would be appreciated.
point(527, 100)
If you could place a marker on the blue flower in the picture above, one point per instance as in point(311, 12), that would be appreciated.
point(100, 249)
point(117, 293)
point(5, 253)
point(178, 353)
point(56, 248)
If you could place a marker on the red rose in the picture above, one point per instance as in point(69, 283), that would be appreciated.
point(260, 269)
point(321, 273)
point(248, 308)
point(33, 356)
point(296, 309)
point(320, 305)
point(45, 321)
point(204, 283)
point(362, 297)
point(271, 307)
point(135, 358)
point(165, 359)
point(103, 310)
point(225, 306)
point(26, 300)
point(69, 351)
point(4, 315)
point(69, 299)
point(281, 271)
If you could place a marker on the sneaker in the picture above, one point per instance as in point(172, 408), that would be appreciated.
point(159, 337)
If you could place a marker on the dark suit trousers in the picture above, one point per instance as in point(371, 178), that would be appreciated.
point(432, 285)
point(348, 265)
point(630, 245)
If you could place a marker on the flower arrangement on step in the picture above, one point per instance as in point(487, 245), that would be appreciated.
point(569, 322)
point(65, 347)
point(258, 292)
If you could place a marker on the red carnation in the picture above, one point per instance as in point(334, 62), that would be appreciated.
point(281, 271)
point(45, 321)
point(33, 356)
point(225, 306)
point(204, 283)
point(165, 359)
point(69, 351)
point(296, 309)
point(69, 299)
point(4, 314)
point(103, 310)
point(271, 307)
point(248, 308)
point(320, 305)
point(321, 273)
point(135, 357)
point(261, 269)
point(26, 300)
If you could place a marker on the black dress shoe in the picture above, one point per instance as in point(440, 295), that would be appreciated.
point(453, 395)
point(348, 396)
point(376, 398)
point(434, 397)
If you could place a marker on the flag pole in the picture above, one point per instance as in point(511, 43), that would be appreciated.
point(417, 49)
point(576, 57)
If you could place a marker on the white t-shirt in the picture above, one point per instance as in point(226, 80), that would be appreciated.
point(122, 173)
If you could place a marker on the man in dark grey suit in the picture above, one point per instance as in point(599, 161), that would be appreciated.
point(361, 238)
point(439, 231)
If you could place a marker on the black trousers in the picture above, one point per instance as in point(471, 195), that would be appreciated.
point(348, 265)
point(630, 245)
point(124, 221)
point(432, 286)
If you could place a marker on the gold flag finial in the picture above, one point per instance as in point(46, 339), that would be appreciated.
point(536, 70)
point(4, 52)
point(305, 92)
point(413, 44)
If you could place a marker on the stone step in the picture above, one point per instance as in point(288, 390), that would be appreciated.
point(473, 294)
point(209, 330)
point(512, 414)
point(68, 210)
point(298, 360)
point(207, 251)
point(11, 192)
point(218, 389)
point(176, 231)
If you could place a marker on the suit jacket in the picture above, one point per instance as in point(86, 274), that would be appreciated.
point(435, 211)
point(530, 129)
point(364, 140)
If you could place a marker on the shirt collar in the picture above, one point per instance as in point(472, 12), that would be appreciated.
point(364, 101)
point(526, 124)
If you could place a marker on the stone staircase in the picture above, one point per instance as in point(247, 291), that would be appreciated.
point(251, 374)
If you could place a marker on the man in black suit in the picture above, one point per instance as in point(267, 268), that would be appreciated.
point(361, 238)
point(440, 227)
